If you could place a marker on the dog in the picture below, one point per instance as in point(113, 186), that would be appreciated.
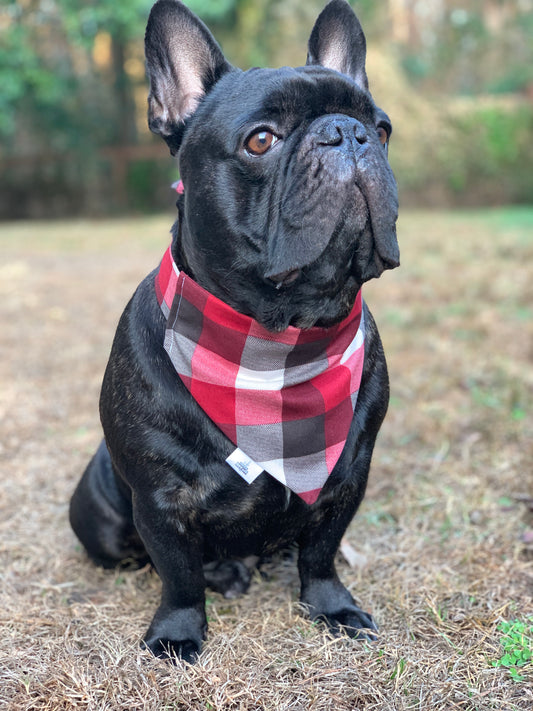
point(247, 380)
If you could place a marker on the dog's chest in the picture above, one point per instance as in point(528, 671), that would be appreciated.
point(238, 520)
point(264, 530)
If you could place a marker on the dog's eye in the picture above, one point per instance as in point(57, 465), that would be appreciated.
point(260, 142)
point(382, 135)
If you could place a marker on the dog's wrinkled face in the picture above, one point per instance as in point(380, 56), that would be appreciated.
point(290, 203)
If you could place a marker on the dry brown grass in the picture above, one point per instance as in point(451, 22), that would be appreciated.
point(444, 527)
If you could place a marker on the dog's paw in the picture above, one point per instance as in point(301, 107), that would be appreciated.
point(328, 601)
point(176, 633)
point(186, 649)
point(352, 621)
point(231, 578)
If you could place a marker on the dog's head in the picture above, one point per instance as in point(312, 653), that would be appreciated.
point(290, 203)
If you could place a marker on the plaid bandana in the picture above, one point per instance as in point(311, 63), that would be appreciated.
point(286, 400)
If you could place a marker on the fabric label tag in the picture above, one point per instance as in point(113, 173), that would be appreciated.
point(244, 466)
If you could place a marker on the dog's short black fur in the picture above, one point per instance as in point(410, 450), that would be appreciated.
point(289, 206)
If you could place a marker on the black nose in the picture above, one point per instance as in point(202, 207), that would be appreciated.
point(334, 130)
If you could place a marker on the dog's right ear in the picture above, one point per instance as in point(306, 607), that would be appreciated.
point(183, 62)
point(338, 42)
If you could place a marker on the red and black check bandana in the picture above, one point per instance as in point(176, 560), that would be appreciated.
point(286, 400)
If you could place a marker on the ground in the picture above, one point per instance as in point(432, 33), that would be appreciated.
point(443, 540)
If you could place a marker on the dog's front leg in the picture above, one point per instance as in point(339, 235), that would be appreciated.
point(179, 626)
point(322, 593)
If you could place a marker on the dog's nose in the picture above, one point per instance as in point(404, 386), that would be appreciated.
point(336, 129)
point(329, 134)
point(360, 133)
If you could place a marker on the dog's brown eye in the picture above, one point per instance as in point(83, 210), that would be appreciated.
point(382, 135)
point(260, 142)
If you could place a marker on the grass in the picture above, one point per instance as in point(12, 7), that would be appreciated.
point(517, 643)
point(444, 534)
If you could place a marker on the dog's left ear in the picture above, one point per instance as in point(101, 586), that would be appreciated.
point(338, 42)
point(183, 62)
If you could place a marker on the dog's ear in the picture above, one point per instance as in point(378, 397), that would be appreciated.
point(183, 62)
point(338, 42)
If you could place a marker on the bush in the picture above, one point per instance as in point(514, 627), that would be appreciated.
point(498, 152)
point(474, 152)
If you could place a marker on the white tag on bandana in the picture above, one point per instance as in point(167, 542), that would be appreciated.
point(243, 465)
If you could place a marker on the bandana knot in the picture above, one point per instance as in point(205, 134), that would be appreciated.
point(286, 400)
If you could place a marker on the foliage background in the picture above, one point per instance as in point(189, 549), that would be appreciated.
point(456, 76)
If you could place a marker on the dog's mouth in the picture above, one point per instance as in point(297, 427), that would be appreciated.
point(285, 278)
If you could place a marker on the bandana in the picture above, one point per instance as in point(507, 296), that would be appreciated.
point(286, 400)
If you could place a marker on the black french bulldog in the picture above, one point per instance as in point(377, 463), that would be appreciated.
point(289, 206)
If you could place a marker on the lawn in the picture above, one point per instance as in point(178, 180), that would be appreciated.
point(444, 538)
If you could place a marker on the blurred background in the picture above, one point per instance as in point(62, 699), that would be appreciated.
point(456, 77)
